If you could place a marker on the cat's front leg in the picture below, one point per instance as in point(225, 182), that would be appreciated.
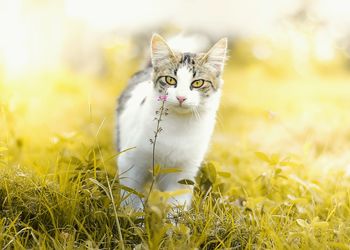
point(132, 174)
point(183, 200)
point(170, 182)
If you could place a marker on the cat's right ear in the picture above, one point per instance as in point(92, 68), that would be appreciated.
point(161, 54)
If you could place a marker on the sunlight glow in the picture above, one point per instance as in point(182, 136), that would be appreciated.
point(324, 49)
point(32, 37)
point(13, 49)
point(44, 36)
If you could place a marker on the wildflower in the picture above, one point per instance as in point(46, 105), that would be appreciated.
point(162, 98)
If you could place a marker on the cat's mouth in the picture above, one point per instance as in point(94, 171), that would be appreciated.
point(180, 109)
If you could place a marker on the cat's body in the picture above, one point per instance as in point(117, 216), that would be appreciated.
point(186, 130)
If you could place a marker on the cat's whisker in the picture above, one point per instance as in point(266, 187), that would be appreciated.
point(195, 113)
point(219, 120)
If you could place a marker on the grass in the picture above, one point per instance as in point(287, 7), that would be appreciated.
point(276, 176)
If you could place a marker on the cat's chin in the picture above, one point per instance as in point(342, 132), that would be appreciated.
point(180, 110)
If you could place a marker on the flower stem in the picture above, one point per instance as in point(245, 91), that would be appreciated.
point(154, 142)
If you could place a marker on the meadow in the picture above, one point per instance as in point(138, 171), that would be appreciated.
point(277, 175)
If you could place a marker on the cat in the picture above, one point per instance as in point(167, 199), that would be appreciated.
point(189, 85)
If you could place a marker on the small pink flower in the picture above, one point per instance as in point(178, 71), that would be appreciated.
point(162, 98)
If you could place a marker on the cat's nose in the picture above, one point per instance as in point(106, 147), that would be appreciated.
point(181, 99)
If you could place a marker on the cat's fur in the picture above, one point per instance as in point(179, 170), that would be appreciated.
point(186, 130)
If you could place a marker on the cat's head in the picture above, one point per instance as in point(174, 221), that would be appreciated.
point(191, 80)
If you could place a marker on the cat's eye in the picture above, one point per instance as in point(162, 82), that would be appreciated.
point(170, 80)
point(197, 83)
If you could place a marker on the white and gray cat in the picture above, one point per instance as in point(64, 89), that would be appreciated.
point(192, 84)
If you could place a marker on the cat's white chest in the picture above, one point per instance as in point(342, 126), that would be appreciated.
point(181, 141)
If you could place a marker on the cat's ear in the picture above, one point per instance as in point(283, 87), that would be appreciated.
point(215, 58)
point(161, 54)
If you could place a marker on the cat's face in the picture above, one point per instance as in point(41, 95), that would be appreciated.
point(189, 80)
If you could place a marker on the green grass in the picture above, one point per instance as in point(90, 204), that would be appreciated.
point(276, 171)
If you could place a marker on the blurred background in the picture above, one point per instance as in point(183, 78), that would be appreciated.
point(39, 35)
point(63, 63)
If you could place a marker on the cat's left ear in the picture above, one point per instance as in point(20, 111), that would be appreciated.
point(161, 54)
point(216, 56)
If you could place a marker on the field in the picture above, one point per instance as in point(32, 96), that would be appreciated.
point(277, 175)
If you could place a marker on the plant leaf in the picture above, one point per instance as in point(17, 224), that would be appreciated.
point(274, 159)
point(289, 164)
point(224, 174)
point(105, 189)
point(186, 182)
point(278, 171)
point(156, 171)
point(169, 170)
point(130, 190)
point(210, 172)
point(302, 223)
point(262, 156)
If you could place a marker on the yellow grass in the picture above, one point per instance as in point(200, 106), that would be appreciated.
point(280, 151)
